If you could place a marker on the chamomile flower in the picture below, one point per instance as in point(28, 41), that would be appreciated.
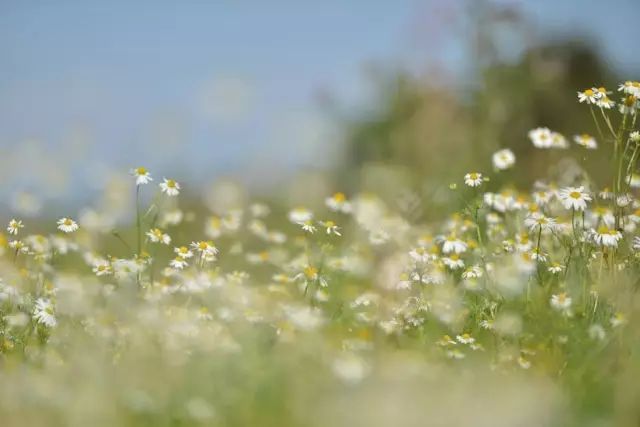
point(636, 243)
point(586, 141)
point(465, 339)
point(300, 214)
point(558, 141)
point(183, 252)
point(452, 243)
point(541, 137)
point(141, 175)
point(420, 254)
point(308, 226)
point(473, 179)
point(503, 159)
point(605, 236)
point(330, 227)
point(473, 272)
point(574, 198)
point(601, 92)
point(338, 203)
point(618, 319)
point(67, 225)
point(539, 222)
point(453, 261)
point(178, 263)
point(44, 313)
point(629, 105)
point(102, 267)
point(588, 96)
point(605, 102)
point(156, 235)
point(205, 248)
point(561, 302)
point(170, 187)
point(14, 226)
point(630, 88)
point(19, 246)
point(555, 268)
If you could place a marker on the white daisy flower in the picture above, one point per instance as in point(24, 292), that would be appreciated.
point(630, 88)
point(555, 268)
point(574, 198)
point(453, 244)
point(605, 102)
point(44, 313)
point(420, 254)
point(618, 319)
point(298, 215)
point(601, 92)
point(473, 179)
point(330, 227)
point(170, 187)
point(473, 272)
point(541, 137)
point(503, 159)
point(465, 339)
point(141, 175)
point(19, 246)
point(629, 105)
point(67, 225)
point(178, 263)
point(156, 235)
point(636, 243)
point(308, 226)
point(14, 226)
point(586, 141)
point(605, 236)
point(338, 203)
point(183, 252)
point(558, 141)
point(205, 248)
point(561, 302)
point(453, 261)
point(538, 221)
point(102, 267)
point(588, 96)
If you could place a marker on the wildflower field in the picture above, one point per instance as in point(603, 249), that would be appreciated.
point(517, 307)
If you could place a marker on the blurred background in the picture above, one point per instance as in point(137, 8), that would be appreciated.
point(310, 96)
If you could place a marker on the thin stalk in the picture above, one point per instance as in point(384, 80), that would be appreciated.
point(138, 222)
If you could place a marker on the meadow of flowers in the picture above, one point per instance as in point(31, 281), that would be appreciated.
point(521, 309)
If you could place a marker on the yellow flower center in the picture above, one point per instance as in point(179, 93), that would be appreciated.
point(311, 272)
point(339, 197)
point(141, 171)
point(575, 195)
point(630, 100)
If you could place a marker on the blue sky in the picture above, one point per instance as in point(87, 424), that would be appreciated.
point(226, 87)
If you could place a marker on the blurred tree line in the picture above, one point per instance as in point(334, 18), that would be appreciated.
point(434, 133)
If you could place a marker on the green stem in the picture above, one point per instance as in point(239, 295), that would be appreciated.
point(138, 225)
